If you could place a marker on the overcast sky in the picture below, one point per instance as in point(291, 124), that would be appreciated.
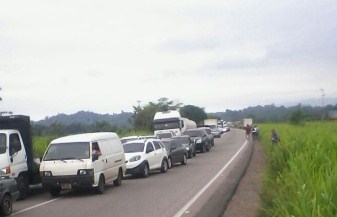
point(104, 56)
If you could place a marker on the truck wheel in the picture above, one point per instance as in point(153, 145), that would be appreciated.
point(6, 205)
point(54, 192)
point(23, 187)
point(101, 185)
point(118, 181)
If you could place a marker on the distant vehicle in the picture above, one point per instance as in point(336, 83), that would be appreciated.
point(89, 160)
point(8, 193)
point(248, 121)
point(145, 155)
point(172, 120)
point(216, 132)
point(213, 125)
point(176, 152)
point(129, 138)
point(188, 143)
point(226, 128)
point(209, 134)
point(165, 134)
point(17, 153)
point(201, 139)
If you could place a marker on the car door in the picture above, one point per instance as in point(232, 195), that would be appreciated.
point(159, 152)
point(151, 155)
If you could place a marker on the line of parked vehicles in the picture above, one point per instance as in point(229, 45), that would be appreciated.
point(90, 160)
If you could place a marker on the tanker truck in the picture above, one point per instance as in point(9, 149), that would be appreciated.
point(172, 121)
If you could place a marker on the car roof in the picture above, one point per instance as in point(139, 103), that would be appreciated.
point(86, 137)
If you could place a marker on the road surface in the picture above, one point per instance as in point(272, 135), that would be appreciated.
point(200, 188)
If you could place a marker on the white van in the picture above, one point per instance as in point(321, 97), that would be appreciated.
point(70, 162)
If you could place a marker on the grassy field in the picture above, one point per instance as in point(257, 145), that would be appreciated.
point(301, 176)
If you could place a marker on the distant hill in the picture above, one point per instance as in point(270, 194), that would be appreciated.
point(121, 120)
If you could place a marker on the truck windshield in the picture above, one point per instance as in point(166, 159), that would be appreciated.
point(2, 143)
point(167, 125)
point(66, 151)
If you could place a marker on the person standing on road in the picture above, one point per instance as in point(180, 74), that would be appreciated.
point(247, 129)
point(274, 138)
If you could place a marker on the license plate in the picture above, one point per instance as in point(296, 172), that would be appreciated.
point(66, 186)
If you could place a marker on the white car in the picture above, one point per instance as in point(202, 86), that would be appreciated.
point(145, 155)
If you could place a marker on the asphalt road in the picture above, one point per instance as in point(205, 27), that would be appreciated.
point(200, 188)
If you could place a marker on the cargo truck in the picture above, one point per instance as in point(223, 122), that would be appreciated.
point(16, 152)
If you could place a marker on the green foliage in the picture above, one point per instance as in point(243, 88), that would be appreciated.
point(297, 117)
point(195, 113)
point(40, 144)
point(301, 177)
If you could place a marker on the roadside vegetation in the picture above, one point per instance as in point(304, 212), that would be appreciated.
point(301, 176)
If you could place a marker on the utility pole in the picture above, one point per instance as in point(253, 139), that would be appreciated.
point(322, 90)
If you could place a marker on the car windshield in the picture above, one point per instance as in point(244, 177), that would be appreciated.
point(66, 151)
point(193, 133)
point(2, 143)
point(133, 147)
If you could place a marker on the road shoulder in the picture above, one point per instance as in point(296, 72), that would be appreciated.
point(246, 199)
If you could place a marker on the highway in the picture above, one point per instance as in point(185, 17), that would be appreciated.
point(200, 188)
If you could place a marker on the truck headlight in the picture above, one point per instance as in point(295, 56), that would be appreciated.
point(84, 172)
point(198, 141)
point(135, 158)
point(47, 173)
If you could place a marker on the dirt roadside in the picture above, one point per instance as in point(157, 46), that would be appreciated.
point(246, 200)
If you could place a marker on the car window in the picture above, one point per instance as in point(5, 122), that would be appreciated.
point(14, 143)
point(149, 147)
point(156, 145)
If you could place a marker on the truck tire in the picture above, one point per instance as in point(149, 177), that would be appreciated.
point(118, 181)
point(23, 186)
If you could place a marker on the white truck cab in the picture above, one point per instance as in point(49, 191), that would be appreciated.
point(88, 160)
point(16, 152)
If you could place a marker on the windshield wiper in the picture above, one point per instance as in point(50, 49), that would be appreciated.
point(72, 158)
point(50, 159)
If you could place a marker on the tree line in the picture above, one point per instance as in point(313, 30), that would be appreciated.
point(142, 116)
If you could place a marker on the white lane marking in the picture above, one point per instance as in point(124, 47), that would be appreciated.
point(189, 203)
point(32, 207)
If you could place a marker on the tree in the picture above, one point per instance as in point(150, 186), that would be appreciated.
point(195, 113)
point(297, 117)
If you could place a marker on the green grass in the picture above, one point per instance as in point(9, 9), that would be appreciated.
point(301, 175)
